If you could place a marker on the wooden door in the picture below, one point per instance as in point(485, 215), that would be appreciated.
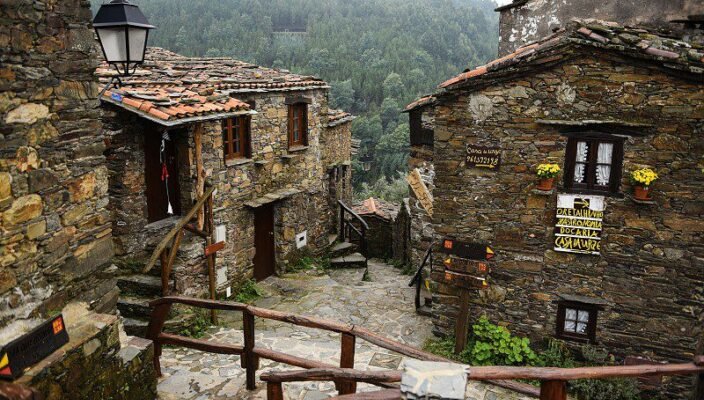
point(156, 185)
point(264, 260)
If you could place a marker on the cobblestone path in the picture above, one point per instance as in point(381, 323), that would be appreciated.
point(384, 305)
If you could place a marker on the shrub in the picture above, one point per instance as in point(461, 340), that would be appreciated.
point(490, 344)
point(249, 292)
point(307, 263)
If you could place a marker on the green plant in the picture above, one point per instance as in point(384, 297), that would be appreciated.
point(490, 344)
point(198, 325)
point(249, 292)
point(307, 263)
point(547, 171)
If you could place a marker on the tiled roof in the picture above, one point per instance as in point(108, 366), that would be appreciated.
point(338, 117)
point(379, 208)
point(422, 102)
point(171, 89)
point(673, 54)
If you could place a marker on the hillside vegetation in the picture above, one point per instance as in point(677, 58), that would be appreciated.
point(378, 55)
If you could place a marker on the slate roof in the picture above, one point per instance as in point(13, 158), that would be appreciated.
point(172, 89)
point(338, 117)
point(376, 207)
point(670, 53)
point(422, 102)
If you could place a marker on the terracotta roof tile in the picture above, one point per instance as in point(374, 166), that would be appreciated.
point(169, 86)
point(635, 42)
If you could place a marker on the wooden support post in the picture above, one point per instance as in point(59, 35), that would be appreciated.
point(553, 390)
point(163, 257)
point(462, 325)
point(341, 237)
point(210, 228)
point(166, 269)
point(699, 380)
point(347, 361)
point(274, 391)
point(251, 361)
point(200, 172)
point(156, 324)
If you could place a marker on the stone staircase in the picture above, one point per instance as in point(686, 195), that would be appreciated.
point(138, 289)
point(346, 255)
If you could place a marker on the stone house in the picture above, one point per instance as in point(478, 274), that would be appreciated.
point(266, 139)
point(55, 229)
point(381, 217)
point(633, 282)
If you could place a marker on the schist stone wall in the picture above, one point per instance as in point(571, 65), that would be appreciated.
point(421, 157)
point(534, 19)
point(303, 186)
point(650, 274)
point(55, 228)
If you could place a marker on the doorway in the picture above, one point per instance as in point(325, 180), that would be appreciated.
point(161, 176)
point(264, 259)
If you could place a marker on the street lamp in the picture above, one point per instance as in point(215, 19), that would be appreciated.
point(123, 31)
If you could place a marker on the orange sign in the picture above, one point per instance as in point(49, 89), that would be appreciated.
point(214, 248)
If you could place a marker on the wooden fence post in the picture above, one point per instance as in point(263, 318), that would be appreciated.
point(156, 324)
point(462, 324)
point(699, 388)
point(274, 391)
point(347, 361)
point(553, 390)
point(251, 362)
point(164, 258)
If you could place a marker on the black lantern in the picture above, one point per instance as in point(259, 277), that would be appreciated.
point(123, 31)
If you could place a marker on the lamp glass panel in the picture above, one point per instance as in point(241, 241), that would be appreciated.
point(138, 41)
point(114, 43)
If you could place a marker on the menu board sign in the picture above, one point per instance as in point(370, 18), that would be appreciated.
point(421, 191)
point(483, 157)
point(579, 224)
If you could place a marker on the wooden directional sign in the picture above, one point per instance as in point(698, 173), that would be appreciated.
point(465, 281)
point(467, 267)
point(32, 348)
point(214, 248)
point(472, 251)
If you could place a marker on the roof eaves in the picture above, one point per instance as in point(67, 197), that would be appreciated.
point(176, 122)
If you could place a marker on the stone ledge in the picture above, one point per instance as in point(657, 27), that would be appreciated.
point(296, 149)
point(234, 162)
point(543, 192)
point(642, 202)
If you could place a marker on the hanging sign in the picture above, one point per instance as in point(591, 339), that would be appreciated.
point(214, 248)
point(579, 224)
point(31, 348)
point(483, 157)
point(472, 251)
point(421, 191)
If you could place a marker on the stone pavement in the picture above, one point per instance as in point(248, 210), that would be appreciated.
point(384, 305)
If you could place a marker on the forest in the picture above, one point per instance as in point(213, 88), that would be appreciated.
point(378, 55)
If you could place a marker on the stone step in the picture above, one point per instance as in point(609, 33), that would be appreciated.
point(135, 327)
point(135, 307)
point(332, 238)
point(425, 310)
point(354, 260)
point(141, 285)
point(343, 249)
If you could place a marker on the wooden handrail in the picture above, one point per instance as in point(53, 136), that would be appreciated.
point(250, 352)
point(13, 391)
point(418, 277)
point(176, 229)
point(354, 214)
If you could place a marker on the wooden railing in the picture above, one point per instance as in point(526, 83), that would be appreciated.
point(348, 227)
point(13, 391)
point(250, 352)
point(418, 277)
point(553, 380)
point(167, 250)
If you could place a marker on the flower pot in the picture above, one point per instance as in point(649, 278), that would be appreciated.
point(642, 193)
point(546, 184)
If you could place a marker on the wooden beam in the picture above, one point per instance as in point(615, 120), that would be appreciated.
point(274, 391)
point(553, 390)
point(200, 171)
point(462, 323)
point(330, 374)
point(200, 344)
point(166, 269)
point(156, 325)
point(195, 231)
point(169, 236)
point(386, 394)
point(347, 361)
point(250, 358)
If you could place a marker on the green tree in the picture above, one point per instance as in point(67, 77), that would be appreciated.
point(342, 95)
point(393, 86)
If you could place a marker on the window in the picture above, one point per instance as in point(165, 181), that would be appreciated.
point(593, 163)
point(235, 137)
point(576, 321)
point(297, 124)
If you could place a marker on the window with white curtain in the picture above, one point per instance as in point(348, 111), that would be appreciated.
point(576, 321)
point(593, 163)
